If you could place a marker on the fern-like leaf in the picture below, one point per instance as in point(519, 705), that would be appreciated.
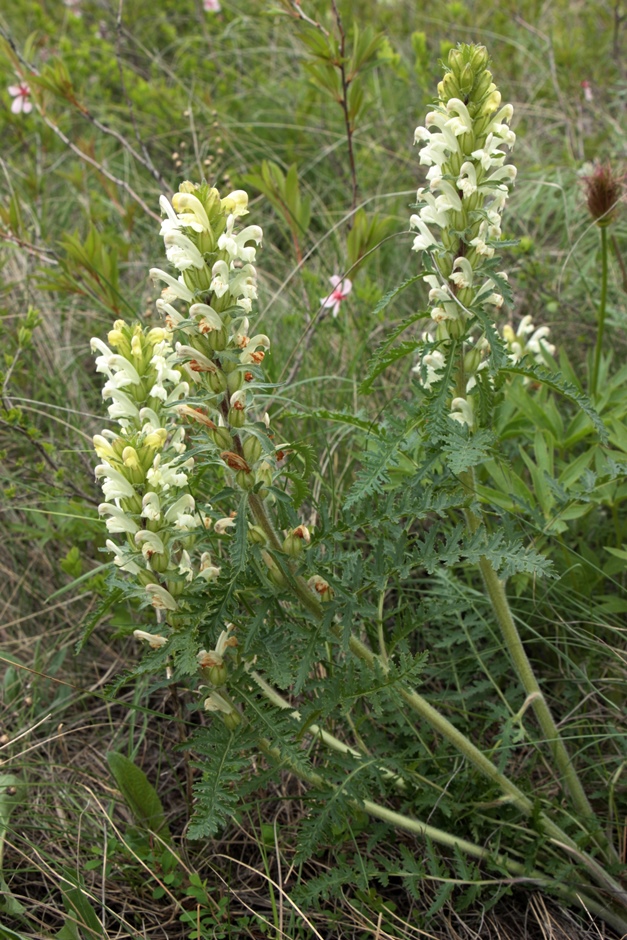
point(217, 791)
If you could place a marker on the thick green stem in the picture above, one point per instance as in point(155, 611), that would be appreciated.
point(513, 643)
point(601, 315)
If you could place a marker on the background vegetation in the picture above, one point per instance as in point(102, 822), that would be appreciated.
point(132, 99)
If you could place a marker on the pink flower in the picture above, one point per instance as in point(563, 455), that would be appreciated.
point(22, 103)
point(212, 6)
point(341, 290)
point(587, 90)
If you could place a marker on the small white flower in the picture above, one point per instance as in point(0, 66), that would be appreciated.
point(178, 287)
point(235, 245)
point(208, 316)
point(150, 543)
point(220, 274)
point(252, 354)
point(185, 566)
point(215, 703)
point(182, 252)
point(425, 240)
point(115, 486)
point(153, 639)
point(461, 410)
point(191, 212)
point(463, 277)
point(467, 179)
point(222, 525)
point(151, 507)
point(160, 598)
point(122, 559)
point(118, 520)
point(236, 202)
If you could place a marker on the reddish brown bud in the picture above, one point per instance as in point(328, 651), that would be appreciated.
point(248, 376)
point(197, 415)
point(603, 192)
point(196, 366)
point(234, 461)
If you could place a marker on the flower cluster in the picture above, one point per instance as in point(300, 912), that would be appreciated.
point(144, 468)
point(217, 283)
point(201, 367)
point(527, 340)
point(459, 216)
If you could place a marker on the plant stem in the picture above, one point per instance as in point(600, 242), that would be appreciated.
point(344, 103)
point(601, 316)
point(513, 643)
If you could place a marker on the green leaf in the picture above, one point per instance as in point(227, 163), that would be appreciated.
point(380, 363)
point(82, 915)
point(239, 547)
point(92, 622)
point(217, 792)
point(387, 299)
point(463, 450)
point(139, 794)
point(554, 381)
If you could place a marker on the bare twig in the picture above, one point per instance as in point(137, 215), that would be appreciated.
point(97, 166)
point(129, 104)
point(344, 103)
point(43, 254)
point(300, 13)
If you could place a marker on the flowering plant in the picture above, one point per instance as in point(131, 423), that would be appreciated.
point(255, 607)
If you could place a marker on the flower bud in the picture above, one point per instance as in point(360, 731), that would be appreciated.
point(245, 480)
point(217, 340)
point(233, 720)
point(294, 543)
point(482, 85)
point(237, 417)
point(448, 88)
point(472, 361)
point(217, 675)
point(252, 449)
point(466, 80)
point(221, 438)
point(274, 572)
point(321, 587)
point(234, 381)
point(256, 535)
point(479, 58)
point(217, 382)
point(115, 338)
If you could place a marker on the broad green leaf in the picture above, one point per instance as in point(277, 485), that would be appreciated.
point(82, 921)
point(140, 795)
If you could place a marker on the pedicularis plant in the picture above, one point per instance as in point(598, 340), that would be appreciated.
point(289, 632)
